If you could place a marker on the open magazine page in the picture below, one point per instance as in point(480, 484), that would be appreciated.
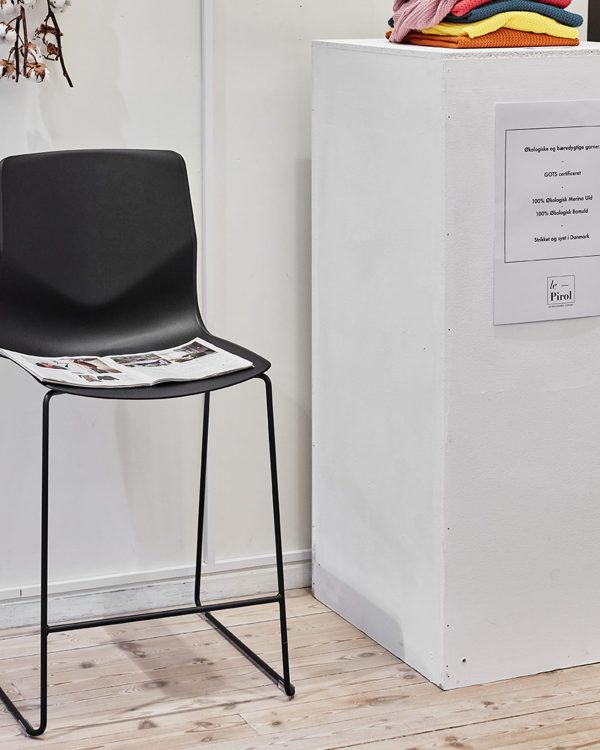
point(79, 371)
point(194, 360)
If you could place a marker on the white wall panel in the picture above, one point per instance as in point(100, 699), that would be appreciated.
point(581, 6)
point(258, 263)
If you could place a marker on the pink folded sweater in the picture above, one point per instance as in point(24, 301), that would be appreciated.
point(422, 14)
point(418, 14)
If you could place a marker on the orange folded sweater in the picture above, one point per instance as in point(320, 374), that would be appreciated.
point(500, 38)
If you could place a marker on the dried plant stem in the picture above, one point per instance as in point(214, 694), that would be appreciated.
point(25, 41)
point(16, 47)
point(52, 16)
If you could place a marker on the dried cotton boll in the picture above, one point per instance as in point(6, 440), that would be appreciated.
point(58, 5)
point(47, 33)
point(7, 69)
point(34, 50)
point(7, 33)
point(49, 36)
point(36, 72)
point(52, 52)
point(7, 6)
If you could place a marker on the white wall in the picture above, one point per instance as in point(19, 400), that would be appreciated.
point(581, 6)
point(124, 476)
point(259, 240)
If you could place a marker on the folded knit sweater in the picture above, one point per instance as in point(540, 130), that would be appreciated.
point(464, 6)
point(517, 20)
point(418, 14)
point(505, 6)
point(500, 38)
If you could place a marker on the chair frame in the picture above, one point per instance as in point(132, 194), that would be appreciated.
point(205, 610)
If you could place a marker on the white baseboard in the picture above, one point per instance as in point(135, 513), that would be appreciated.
point(118, 580)
point(97, 598)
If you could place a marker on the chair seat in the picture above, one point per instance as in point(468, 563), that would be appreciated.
point(175, 388)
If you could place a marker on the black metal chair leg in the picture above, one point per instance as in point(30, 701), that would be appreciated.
point(44, 629)
point(283, 682)
point(289, 688)
point(205, 610)
point(202, 503)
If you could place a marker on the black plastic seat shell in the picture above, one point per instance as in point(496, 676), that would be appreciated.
point(98, 256)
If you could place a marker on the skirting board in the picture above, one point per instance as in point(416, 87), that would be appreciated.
point(148, 595)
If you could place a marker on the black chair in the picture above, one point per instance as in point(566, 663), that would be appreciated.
point(98, 256)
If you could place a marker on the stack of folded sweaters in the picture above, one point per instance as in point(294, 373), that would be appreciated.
point(484, 23)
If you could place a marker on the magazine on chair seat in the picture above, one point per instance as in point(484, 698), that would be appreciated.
point(194, 360)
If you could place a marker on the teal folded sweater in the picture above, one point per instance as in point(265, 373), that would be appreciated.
point(503, 6)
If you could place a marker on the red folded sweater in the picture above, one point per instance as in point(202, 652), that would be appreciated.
point(465, 6)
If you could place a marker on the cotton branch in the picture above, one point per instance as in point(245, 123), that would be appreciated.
point(25, 59)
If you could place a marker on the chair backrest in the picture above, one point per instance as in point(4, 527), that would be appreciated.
point(97, 252)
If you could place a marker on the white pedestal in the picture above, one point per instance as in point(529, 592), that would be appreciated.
point(456, 465)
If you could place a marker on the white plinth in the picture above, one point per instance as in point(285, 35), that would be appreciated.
point(456, 464)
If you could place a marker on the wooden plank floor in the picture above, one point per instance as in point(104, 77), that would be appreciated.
point(172, 685)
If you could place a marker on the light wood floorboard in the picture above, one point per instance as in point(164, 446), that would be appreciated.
point(177, 685)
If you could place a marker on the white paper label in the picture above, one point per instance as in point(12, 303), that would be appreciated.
point(547, 254)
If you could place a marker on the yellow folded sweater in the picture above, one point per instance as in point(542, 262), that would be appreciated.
point(516, 19)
